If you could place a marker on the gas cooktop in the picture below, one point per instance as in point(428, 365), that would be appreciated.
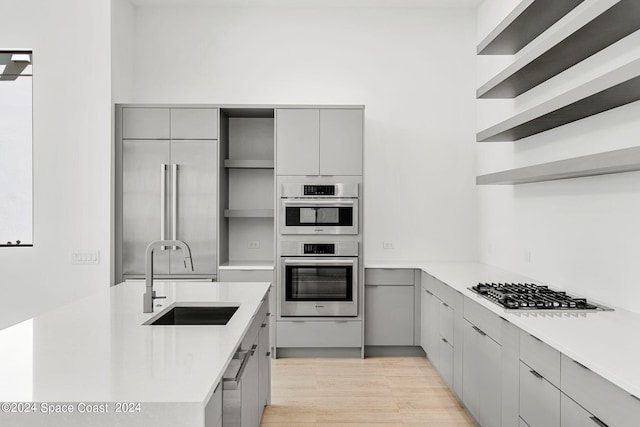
point(527, 296)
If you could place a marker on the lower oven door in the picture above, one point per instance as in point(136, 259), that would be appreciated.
point(319, 286)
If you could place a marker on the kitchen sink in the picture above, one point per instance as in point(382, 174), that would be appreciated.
point(218, 315)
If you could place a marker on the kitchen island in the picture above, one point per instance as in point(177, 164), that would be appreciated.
point(96, 361)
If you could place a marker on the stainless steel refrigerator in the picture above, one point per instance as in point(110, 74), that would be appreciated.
point(166, 189)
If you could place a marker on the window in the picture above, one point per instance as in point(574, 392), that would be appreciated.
point(16, 193)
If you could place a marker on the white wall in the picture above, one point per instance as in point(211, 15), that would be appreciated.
point(412, 68)
point(582, 234)
point(71, 151)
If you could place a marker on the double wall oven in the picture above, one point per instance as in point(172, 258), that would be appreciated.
point(319, 248)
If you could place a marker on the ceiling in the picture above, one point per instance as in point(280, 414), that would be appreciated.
point(313, 3)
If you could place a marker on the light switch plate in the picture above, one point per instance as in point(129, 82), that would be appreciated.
point(85, 257)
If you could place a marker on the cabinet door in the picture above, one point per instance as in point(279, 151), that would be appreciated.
point(250, 402)
point(574, 415)
point(490, 363)
point(539, 399)
point(424, 318)
point(341, 142)
point(145, 123)
point(143, 178)
point(446, 362)
point(195, 203)
point(194, 123)
point(297, 141)
point(388, 315)
point(481, 376)
point(264, 364)
point(433, 327)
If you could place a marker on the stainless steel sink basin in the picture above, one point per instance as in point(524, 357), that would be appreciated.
point(218, 315)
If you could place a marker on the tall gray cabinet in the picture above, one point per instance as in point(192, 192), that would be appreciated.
point(166, 188)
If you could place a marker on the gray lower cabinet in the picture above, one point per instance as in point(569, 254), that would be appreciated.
point(539, 399)
point(388, 315)
point(482, 367)
point(244, 401)
point(574, 415)
point(213, 409)
point(607, 402)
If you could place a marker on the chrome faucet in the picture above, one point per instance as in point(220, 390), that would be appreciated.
point(150, 294)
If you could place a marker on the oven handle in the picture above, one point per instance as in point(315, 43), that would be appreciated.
point(322, 261)
point(316, 202)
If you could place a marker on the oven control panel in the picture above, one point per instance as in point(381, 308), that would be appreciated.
point(319, 190)
point(319, 248)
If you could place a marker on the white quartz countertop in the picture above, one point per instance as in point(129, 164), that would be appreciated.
point(98, 349)
point(604, 341)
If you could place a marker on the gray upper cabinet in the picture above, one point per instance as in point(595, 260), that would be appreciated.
point(297, 141)
point(194, 123)
point(341, 142)
point(145, 123)
point(169, 123)
point(319, 141)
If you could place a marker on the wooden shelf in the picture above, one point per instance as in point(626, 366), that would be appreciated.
point(248, 164)
point(614, 89)
point(617, 161)
point(526, 22)
point(248, 213)
point(615, 23)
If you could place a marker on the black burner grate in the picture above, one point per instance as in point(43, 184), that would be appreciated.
point(528, 296)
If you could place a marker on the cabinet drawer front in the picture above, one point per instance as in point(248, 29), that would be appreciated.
point(541, 357)
point(145, 123)
point(311, 333)
point(388, 276)
point(539, 400)
point(446, 321)
point(608, 402)
point(194, 123)
point(479, 316)
point(574, 415)
point(245, 276)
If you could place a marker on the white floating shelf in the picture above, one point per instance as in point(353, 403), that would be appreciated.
point(595, 29)
point(249, 213)
point(528, 20)
point(614, 89)
point(249, 164)
point(617, 161)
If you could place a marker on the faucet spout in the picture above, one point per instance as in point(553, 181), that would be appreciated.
point(150, 294)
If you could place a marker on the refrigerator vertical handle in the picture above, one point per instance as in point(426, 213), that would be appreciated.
point(163, 202)
point(174, 203)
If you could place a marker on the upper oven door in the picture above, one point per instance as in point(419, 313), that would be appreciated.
point(313, 216)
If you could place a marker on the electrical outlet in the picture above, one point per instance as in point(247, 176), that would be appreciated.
point(253, 244)
point(387, 245)
point(527, 256)
point(489, 248)
point(85, 257)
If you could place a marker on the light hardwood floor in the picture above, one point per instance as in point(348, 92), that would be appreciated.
point(376, 391)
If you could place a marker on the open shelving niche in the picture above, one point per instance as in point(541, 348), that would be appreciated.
point(528, 20)
point(247, 186)
point(596, 28)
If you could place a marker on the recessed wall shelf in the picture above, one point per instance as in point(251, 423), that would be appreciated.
point(248, 164)
point(614, 89)
point(617, 161)
point(526, 22)
point(615, 23)
point(248, 213)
